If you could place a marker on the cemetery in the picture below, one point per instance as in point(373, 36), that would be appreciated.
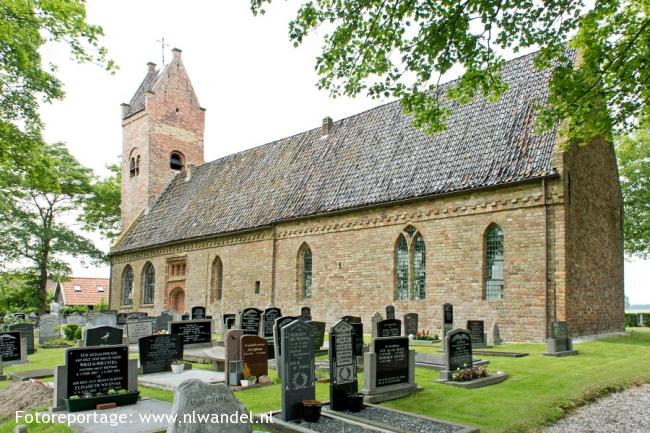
point(311, 378)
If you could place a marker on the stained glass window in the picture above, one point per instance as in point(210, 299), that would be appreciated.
point(307, 273)
point(419, 272)
point(127, 286)
point(494, 263)
point(402, 269)
point(149, 283)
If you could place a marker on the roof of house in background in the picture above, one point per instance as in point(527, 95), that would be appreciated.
point(371, 158)
point(88, 293)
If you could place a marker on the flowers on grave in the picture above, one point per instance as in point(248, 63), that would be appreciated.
point(425, 335)
point(245, 372)
point(161, 332)
point(251, 379)
point(177, 362)
point(467, 373)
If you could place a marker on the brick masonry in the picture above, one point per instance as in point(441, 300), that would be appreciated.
point(563, 242)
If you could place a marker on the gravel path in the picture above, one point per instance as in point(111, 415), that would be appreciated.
point(624, 412)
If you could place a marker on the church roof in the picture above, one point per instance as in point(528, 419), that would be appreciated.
point(371, 158)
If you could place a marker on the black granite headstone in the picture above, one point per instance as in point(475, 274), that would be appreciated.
point(227, 322)
point(121, 318)
point(193, 332)
point(560, 332)
point(96, 369)
point(305, 313)
point(317, 334)
point(10, 346)
point(476, 330)
point(392, 361)
point(198, 313)
point(447, 318)
point(279, 324)
point(157, 352)
point(389, 328)
point(103, 336)
point(357, 333)
point(458, 350)
point(27, 332)
point(268, 320)
point(410, 324)
point(390, 311)
point(250, 320)
point(343, 365)
point(298, 377)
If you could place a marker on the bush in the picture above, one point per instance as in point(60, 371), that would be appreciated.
point(55, 342)
point(632, 320)
point(425, 335)
point(81, 309)
point(72, 331)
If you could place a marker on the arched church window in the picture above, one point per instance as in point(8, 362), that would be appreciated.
point(127, 286)
point(494, 262)
point(149, 283)
point(305, 271)
point(216, 280)
point(419, 265)
point(134, 166)
point(401, 268)
point(176, 161)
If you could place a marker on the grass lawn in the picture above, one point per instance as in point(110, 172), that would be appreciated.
point(539, 391)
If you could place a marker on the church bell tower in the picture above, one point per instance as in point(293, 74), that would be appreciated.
point(162, 132)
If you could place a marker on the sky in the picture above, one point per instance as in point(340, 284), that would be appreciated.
point(255, 85)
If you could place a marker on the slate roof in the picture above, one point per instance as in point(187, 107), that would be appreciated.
point(137, 102)
point(88, 294)
point(373, 157)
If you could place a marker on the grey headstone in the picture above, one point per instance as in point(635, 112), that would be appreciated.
point(197, 398)
point(27, 332)
point(105, 319)
point(137, 329)
point(496, 334)
point(447, 318)
point(163, 321)
point(298, 376)
point(376, 318)
point(76, 319)
point(47, 328)
point(410, 324)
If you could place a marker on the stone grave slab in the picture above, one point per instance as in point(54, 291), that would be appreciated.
point(170, 382)
point(105, 319)
point(374, 320)
point(254, 353)
point(298, 376)
point(476, 330)
point(157, 352)
point(411, 324)
point(103, 336)
point(458, 352)
point(194, 332)
point(437, 362)
point(389, 370)
point(198, 313)
point(41, 373)
point(76, 319)
point(342, 365)
point(560, 343)
point(13, 348)
point(197, 397)
point(268, 320)
point(27, 333)
point(133, 412)
point(227, 322)
point(136, 329)
point(447, 318)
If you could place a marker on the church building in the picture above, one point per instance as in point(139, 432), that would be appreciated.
point(367, 211)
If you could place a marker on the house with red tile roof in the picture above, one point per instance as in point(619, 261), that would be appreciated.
point(82, 291)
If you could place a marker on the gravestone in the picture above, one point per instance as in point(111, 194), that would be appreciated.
point(103, 336)
point(389, 328)
point(185, 316)
point(254, 353)
point(198, 313)
point(447, 318)
point(209, 404)
point(136, 315)
point(157, 352)
point(20, 317)
point(121, 319)
point(76, 319)
point(105, 319)
point(317, 334)
point(27, 333)
point(227, 322)
point(389, 369)
point(343, 365)
point(277, 341)
point(12, 348)
point(357, 333)
point(268, 320)
point(305, 313)
point(390, 312)
point(458, 352)
point(560, 343)
point(163, 321)
point(298, 375)
point(233, 354)
point(249, 321)
point(376, 318)
point(90, 370)
point(48, 328)
point(476, 330)
point(193, 331)
point(171, 312)
point(136, 329)
point(410, 324)
point(496, 334)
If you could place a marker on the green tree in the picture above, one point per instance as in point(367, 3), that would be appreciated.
point(25, 81)
point(403, 48)
point(34, 206)
point(19, 291)
point(101, 210)
point(633, 152)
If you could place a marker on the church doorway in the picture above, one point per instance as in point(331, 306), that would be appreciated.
point(177, 300)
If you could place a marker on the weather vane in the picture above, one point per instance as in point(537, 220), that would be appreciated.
point(163, 44)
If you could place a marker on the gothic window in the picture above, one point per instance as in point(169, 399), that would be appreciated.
point(134, 166)
point(402, 268)
point(148, 283)
point(494, 262)
point(216, 280)
point(305, 271)
point(419, 272)
point(127, 286)
point(176, 161)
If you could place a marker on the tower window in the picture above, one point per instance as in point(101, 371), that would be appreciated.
point(176, 161)
point(134, 166)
